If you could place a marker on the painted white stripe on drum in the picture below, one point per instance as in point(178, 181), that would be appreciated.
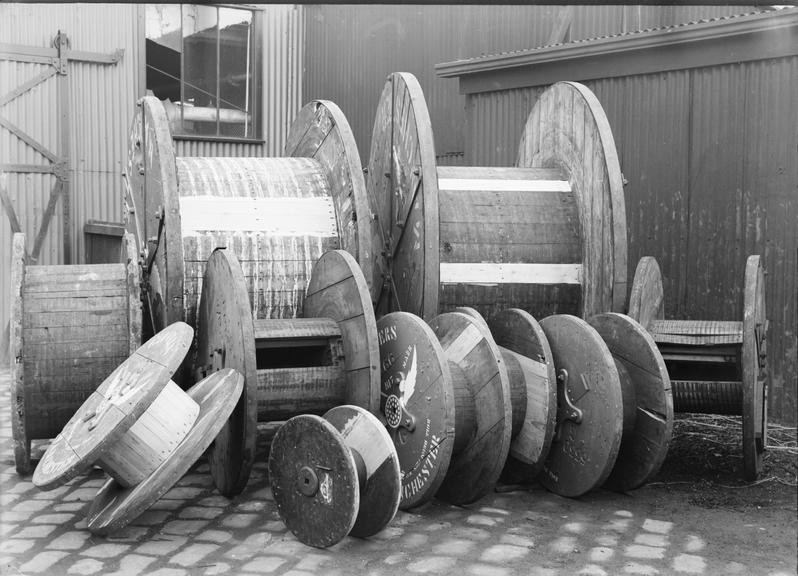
point(274, 216)
point(497, 185)
point(502, 273)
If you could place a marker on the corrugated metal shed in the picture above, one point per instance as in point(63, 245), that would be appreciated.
point(350, 49)
point(709, 152)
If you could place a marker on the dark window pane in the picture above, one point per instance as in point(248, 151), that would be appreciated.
point(235, 82)
point(200, 70)
point(164, 45)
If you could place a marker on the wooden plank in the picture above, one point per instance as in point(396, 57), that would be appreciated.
point(8, 207)
point(754, 368)
point(510, 185)
point(287, 392)
point(510, 205)
point(511, 273)
point(500, 173)
point(27, 85)
point(647, 299)
point(698, 328)
point(44, 227)
point(55, 320)
point(538, 300)
point(32, 168)
point(295, 329)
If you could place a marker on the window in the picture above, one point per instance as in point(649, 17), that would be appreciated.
point(202, 63)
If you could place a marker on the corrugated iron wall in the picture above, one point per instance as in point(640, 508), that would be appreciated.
point(102, 98)
point(350, 49)
point(710, 157)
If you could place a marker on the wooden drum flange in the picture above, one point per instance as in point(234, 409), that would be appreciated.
point(548, 236)
point(446, 401)
point(716, 367)
point(71, 326)
point(327, 357)
point(278, 214)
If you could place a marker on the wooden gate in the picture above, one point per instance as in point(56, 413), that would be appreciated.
point(56, 62)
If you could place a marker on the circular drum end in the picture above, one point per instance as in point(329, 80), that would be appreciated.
point(754, 361)
point(226, 339)
point(381, 490)
point(417, 400)
point(643, 446)
point(307, 449)
point(475, 469)
point(568, 129)
point(337, 290)
point(519, 332)
point(589, 408)
point(647, 301)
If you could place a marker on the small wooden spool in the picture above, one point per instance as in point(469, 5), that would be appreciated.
point(548, 236)
point(446, 400)
point(334, 475)
point(115, 505)
point(716, 367)
point(533, 384)
point(279, 215)
point(71, 326)
point(293, 366)
point(131, 423)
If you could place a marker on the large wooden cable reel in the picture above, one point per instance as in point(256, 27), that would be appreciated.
point(71, 326)
point(278, 214)
point(547, 236)
point(326, 357)
point(716, 367)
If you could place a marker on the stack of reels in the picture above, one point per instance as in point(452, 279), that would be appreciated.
point(71, 326)
point(547, 236)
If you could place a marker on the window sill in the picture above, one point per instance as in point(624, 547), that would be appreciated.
point(230, 139)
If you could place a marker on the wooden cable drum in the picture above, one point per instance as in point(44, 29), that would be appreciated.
point(334, 475)
point(716, 367)
point(71, 326)
point(547, 236)
point(325, 358)
point(278, 215)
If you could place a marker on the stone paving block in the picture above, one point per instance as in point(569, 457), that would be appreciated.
point(129, 534)
point(482, 520)
point(200, 512)
point(455, 547)
point(657, 526)
point(239, 520)
point(16, 546)
point(503, 553)
point(389, 533)
point(487, 570)
point(85, 567)
point(288, 546)
point(217, 536)
point(249, 547)
point(40, 531)
point(694, 543)
point(433, 564)
point(152, 518)
point(413, 540)
point(61, 518)
point(72, 540)
point(573, 527)
point(133, 565)
point(592, 570)
point(184, 527)
point(563, 544)
point(275, 526)
point(492, 510)
point(42, 561)
point(660, 540)
point(216, 500)
point(313, 562)
point(394, 558)
point(166, 504)
point(517, 540)
point(106, 550)
point(80, 495)
point(162, 545)
point(217, 568)
point(600, 554)
point(648, 552)
point(183, 493)
point(30, 506)
point(689, 564)
point(264, 564)
point(69, 506)
point(54, 494)
point(469, 533)
point(643, 569)
point(169, 572)
point(252, 506)
point(193, 554)
point(608, 540)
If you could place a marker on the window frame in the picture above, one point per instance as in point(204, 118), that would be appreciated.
point(256, 100)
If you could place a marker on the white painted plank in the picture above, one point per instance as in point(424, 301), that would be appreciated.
point(273, 216)
point(496, 185)
point(508, 273)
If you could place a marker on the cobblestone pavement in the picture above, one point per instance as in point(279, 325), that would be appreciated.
point(193, 530)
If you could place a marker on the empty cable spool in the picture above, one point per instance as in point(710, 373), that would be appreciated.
point(279, 215)
point(71, 326)
point(327, 357)
point(547, 236)
point(716, 367)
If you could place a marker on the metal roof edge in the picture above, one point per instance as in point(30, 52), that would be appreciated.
point(684, 34)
